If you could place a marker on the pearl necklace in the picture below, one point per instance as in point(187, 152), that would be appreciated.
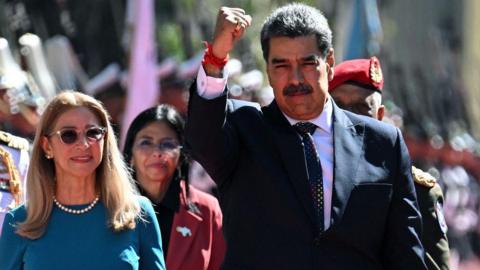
point(75, 211)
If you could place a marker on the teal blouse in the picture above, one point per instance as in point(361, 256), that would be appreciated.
point(83, 242)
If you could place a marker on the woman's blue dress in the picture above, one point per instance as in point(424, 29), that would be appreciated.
point(83, 241)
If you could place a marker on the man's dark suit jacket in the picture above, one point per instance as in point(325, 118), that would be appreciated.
point(257, 160)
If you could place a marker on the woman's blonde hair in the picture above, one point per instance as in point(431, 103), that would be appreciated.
point(113, 181)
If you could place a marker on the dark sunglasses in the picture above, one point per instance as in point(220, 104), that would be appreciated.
point(70, 136)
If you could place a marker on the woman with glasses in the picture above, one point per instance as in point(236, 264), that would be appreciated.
point(82, 210)
point(190, 220)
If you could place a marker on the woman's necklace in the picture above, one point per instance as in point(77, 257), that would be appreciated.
point(75, 211)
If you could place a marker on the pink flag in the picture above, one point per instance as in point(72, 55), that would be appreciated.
point(142, 86)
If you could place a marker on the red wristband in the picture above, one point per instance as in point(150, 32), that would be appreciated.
point(209, 58)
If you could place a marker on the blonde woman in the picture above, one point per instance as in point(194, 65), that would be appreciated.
point(82, 210)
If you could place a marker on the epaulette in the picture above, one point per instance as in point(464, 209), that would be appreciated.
point(423, 178)
point(14, 141)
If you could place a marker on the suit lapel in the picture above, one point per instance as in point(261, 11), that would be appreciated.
point(184, 229)
point(348, 147)
point(290, 149)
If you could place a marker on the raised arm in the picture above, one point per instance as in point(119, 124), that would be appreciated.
point(211, 139)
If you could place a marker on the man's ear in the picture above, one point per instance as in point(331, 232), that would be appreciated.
point(381, 112)
point(330, 61)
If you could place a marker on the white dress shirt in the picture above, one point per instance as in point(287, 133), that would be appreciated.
point(323, 138)
point(211, 87)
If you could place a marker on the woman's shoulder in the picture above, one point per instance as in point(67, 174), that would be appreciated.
point(10, 223)
point(147, 219)
point(145, 203)
point(18, 214)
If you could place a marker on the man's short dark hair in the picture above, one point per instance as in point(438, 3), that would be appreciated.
point(296, 20)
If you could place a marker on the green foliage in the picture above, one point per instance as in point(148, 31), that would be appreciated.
point(169, 41)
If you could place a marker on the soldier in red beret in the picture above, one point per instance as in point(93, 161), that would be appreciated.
point(357, 87)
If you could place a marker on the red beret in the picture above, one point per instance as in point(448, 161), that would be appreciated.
point(366, 72)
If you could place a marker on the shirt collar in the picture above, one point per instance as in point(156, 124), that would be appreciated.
point(323, 121)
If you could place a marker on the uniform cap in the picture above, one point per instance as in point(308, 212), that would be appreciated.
point(365, 72)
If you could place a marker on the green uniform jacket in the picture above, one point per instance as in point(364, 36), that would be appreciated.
point(434, 238)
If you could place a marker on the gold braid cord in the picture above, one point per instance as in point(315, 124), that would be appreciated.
point(15, 185)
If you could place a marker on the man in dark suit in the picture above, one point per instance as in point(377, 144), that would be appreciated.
point(357, 87)
point(302, 183)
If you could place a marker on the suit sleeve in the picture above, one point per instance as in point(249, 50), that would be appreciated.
point(151, 252)
point(218, 242)
point(403, 249)
point(210, 138)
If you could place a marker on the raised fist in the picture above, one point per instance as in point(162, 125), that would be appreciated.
point(230, 26)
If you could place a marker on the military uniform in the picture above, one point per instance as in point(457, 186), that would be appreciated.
point(14, 159)
point(434, 237)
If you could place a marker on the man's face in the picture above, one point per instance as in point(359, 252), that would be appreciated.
point(299, 76)
point(358, 100)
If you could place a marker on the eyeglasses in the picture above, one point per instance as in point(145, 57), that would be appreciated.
point(70, 135)
point(166, 146)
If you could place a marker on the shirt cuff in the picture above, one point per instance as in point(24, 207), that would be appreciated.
point(211, 87)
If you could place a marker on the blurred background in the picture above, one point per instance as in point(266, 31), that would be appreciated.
point(134, 54)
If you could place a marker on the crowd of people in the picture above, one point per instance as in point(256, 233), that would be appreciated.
point(318, 177)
